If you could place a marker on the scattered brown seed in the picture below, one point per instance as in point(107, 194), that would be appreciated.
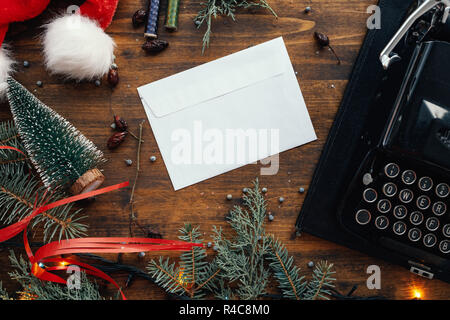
point(116, 139)
point(139, 17)
point(155, 45)
point(113, 77)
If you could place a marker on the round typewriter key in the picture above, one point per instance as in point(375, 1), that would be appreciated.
point(439, 208)
point(416, 218)
point(444, 246)
point(423, 202)
point(400, 211)
point(442, 190)
point(446, 230)
point(399, 228)
point(390, 189)
point(392, 170)
point(406, 195)
point(384, 205)
point(432, 223)
point(425, 183)
point(409, 177)
point(370, 195)
point(381, 222)
point(414, 234)
point(429, 240)
point(363, 217)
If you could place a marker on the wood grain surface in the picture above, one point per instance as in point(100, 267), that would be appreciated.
point(322, 81)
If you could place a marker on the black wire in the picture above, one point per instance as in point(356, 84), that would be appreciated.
point(114, 267)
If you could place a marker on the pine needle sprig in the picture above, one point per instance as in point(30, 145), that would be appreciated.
point(319, 286)
point(11, 161)
point(35, 289)
point(18, 194)
point(212, 8)
point(286, 273)
point(194, 275)
point(167, 276)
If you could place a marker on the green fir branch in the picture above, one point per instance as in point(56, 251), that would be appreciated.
point(11, 161)
point(213, 8)
point(193, 276)
point(45, 290)
point(321, 282)
point(290, 282)
point(167, 276)
point(18, 195)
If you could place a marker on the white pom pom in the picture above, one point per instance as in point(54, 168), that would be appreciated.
point(5, 69)
point(76, 47)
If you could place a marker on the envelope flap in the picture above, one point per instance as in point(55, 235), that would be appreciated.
point(215, 79)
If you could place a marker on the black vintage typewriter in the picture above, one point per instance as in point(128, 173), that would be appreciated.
point(399, 197)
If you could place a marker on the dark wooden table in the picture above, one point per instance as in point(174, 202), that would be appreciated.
point(90, 108)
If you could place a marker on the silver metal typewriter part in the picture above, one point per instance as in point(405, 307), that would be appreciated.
point(387, 56)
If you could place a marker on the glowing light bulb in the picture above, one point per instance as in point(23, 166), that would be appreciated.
point(417, 294)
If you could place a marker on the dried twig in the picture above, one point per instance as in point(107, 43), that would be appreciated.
point(138, 156)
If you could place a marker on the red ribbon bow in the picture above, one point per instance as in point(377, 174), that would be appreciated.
point(82, 245)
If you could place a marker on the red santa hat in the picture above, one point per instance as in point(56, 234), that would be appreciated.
point(75, 44)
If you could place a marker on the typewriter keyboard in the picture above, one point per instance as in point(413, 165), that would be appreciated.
point(408, 205)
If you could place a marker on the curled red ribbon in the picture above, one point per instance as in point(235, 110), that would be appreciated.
point(82, 245)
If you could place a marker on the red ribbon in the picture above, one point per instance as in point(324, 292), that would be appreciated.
point(82, 245)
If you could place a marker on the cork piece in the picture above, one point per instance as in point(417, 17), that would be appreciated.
point(89, 181)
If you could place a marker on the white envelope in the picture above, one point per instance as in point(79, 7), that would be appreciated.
point(195, 114)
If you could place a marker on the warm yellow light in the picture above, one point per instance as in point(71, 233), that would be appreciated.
point(417, 294)
point(63, 263)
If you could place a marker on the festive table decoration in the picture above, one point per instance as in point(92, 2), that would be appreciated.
point(61, 154)
point(212, 8)
point(194, 277)
point(75, 44)
point(34, 289)
point(20, 189)
point(172, 15)
point(19, 192)
point(243, 264)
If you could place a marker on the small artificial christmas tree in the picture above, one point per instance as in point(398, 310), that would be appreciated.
point(61, 154)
